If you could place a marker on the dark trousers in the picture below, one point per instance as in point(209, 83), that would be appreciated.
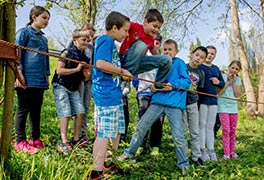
point(29, 102)
point(126, 115)
point(155, 135)
point(217, 125)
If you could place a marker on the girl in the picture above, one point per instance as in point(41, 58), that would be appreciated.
point(208, 104)
point(228, 108)
point(34, 70)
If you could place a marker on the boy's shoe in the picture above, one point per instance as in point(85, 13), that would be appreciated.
point(139, 151)
point(212, 155)
point(154, 151)
point(122, 157)
point(199, 163)
point(95, 175)
point(113, 169)
point(84, 141)
point(184, 170)
point(234, 156)
point(37, 143)
point(25, 146)
point(204, 156)
point(65, 148)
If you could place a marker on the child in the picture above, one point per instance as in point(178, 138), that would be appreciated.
point(191, 114)
point(171, 103)
point(228, 110)
point(208, 104)
point(85, 87)
point(144, 98)
point(141, 39)
point(106, 90)
point(34, 70)
point(66, 81)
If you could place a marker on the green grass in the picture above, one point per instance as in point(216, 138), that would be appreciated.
point(48, 164)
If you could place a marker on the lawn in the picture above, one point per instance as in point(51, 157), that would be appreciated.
point(48, 164)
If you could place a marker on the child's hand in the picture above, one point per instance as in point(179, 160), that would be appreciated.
point(215, 81)
point(79, 67)
point(126, 75)
point(87, 72)
point(153, 89)
point(167, 87)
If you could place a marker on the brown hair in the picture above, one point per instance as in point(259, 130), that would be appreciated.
point(80, 33)
point(154, 15)
point(171, 41)
point(36, 10)
point(115, 18)
point(237, 62)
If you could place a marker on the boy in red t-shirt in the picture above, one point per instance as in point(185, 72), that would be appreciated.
point(141, 39)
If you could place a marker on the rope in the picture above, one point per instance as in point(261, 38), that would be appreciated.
point(119, 73)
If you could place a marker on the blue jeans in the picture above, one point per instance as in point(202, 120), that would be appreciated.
point(176, 124)
point(136, 61)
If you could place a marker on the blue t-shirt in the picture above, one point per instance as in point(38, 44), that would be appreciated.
point(228, 105)
point(106, 88)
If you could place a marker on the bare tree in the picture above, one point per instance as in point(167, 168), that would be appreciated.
point(250, 106)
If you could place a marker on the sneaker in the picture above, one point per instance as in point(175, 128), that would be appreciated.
point(154, 151)
point(95, 175)
point(37, 143)
point(234, 156)
point(139, 151)
point(84, 141)
point(65, 148)
point(226, 157)
point(25, 146)
point(199, 163)
point(113, 169)
point(212, 155)
point(184, 170)
point(204, 156)
point(123, 157)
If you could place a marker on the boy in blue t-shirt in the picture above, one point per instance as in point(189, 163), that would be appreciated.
point(169, 102)
point(106, 90)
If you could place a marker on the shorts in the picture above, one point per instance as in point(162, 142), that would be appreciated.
point(68, 103)
point(109, 121)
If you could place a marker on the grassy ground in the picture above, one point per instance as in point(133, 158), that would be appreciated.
point(48, 164)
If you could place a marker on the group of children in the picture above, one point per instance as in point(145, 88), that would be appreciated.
point(173, 94)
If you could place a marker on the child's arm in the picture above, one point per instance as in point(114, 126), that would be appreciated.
point(237, 88)
point(111, 69)
point(61, 70)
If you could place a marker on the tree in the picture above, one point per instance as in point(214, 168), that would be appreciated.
point(7, 32)
point(261, 81)
point(250, 106)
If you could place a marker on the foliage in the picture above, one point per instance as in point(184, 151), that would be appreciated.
point(49, 164)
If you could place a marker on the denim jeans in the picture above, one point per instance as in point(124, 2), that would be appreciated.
point(136, 61)
point(191, 120)
point(176, 124)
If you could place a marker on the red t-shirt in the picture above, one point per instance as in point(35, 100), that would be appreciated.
point(136, 30)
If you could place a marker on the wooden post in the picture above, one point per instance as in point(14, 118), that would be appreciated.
point(8, 32)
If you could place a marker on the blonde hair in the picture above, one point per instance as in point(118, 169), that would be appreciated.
point(77, 33)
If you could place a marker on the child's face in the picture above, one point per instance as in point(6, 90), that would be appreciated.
point(170, 49)
point(121, 33)
point(234, 69)
point(210, 56)
point(41, 21)
point(151, 28)
point(198, 57)
point(81, 42)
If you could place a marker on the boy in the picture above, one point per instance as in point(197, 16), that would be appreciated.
point(106, 90)
point(171, 102)
point(141, 39)
point(191, 114)
point(66, 81)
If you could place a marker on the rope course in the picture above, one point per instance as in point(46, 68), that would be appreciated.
point(11, 48)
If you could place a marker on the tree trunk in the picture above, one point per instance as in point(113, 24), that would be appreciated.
point(9, 26)
point(251, 106)
point(1, 37)
point(92, 10)
point(261, 81)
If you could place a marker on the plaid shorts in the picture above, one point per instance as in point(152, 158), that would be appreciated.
point(109, 121)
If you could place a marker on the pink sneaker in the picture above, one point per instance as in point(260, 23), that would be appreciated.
point(37, 143)
point(24, 146)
